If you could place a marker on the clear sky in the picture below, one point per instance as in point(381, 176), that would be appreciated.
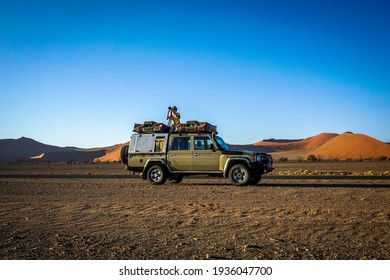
point(81, 73)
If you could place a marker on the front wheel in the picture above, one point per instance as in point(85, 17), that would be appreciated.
point(157, 175)
point(240, 175)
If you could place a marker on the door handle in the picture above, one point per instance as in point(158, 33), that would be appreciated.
point(197, 155)
point(171, 155)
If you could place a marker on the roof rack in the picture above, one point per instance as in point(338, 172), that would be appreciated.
point(188, 127)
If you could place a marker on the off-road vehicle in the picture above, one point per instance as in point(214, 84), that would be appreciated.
point(172, 156)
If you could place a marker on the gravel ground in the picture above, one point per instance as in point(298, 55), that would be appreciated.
point(126, 218)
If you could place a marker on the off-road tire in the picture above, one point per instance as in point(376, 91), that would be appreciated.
point(157, 175)
point(240, 175)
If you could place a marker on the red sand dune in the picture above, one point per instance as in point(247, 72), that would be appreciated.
point(353, 146)
point(323, 145)
point(112, 154)
point(38, 156)
point(302, 144)
point(317, 141)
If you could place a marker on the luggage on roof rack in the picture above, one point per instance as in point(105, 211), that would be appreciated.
point(195, 126)
point(161, 128)
point(188, 127)
point(151, 127)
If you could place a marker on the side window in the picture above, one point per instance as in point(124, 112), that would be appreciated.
point(184, 143)
point(203, 143)
point(175, 144)
point(180, 143)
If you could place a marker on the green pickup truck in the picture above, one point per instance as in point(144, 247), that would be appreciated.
point(171, 156)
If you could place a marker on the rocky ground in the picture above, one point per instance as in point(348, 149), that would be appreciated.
point(104, 217)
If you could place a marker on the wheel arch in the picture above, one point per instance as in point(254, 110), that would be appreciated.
point(150, 162)
point(233, 161)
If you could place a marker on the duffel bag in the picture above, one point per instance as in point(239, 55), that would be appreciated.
point(160, 127)
point(147, 129)
point(138, 127)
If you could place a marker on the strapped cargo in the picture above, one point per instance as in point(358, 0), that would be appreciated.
point(151, 127)
point(196, 127)
point(161, 128)
point(188, 127)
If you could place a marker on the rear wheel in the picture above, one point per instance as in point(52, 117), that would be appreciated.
point(240, 175)
point(157, 175)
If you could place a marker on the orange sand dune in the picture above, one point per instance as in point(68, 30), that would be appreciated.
point(314, 142)
point(302, 144)
point(112, 154)
point(292, 149)
point(353, 146)
point(38, 156)
point(325, 146)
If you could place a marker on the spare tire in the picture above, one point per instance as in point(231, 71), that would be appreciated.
point(124, 155)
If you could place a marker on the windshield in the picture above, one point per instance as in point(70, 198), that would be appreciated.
point(222, 143)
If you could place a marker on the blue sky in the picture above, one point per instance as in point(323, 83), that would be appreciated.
point(81, 73)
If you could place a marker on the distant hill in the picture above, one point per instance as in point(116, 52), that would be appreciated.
point(21, 149)
point(26, 149)
point(325, 146)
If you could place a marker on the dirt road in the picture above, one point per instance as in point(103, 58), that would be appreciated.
point(126, 218)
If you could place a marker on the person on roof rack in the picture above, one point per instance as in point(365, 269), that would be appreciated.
point(173, 117)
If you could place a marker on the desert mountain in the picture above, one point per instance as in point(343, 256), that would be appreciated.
point(325, 146)
point(26, 149)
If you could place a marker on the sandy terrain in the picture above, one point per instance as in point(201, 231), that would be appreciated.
point(80, 216)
